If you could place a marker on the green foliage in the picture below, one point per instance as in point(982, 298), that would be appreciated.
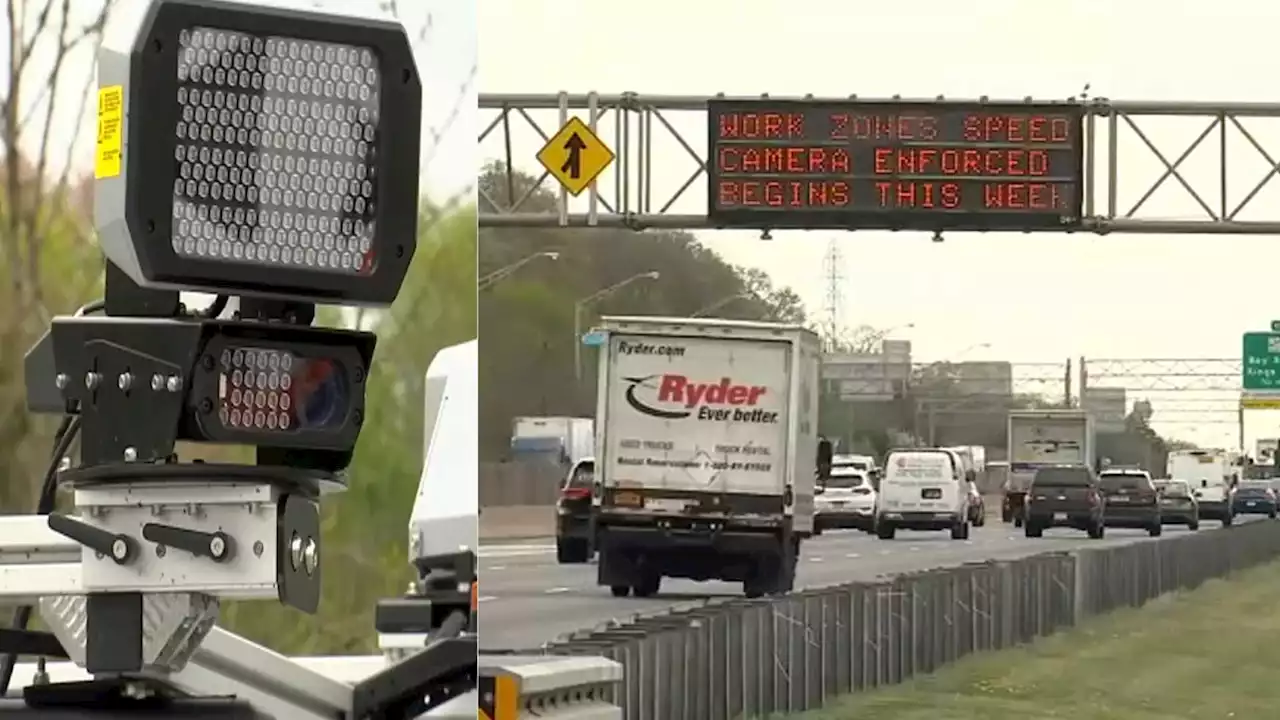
point(366, 528)
point(528, 343)
point(49, 265)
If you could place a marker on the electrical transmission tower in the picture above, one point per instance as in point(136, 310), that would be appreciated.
point(831, 270)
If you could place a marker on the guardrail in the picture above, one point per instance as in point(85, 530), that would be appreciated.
point(749, 658)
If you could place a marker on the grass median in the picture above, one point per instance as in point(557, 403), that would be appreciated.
point(1210, 653)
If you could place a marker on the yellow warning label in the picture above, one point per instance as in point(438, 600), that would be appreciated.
point(110, 132)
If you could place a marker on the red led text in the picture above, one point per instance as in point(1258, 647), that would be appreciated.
point(774, 159)
point(986, 128)
point(969, 195)
point(946, 161)
point(761, 126)
point(793, 194)
point(854, 126)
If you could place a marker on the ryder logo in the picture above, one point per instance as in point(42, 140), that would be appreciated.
point(675, 397)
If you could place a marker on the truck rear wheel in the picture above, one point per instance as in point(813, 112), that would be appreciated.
point(884, 531)
point(620, 590)
point(648, 584)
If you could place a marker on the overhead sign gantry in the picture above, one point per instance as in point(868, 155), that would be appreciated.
point(932, 164)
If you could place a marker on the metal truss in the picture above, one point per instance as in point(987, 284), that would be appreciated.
point(1150, 167)
point(1046, 381)
point(1181, 391)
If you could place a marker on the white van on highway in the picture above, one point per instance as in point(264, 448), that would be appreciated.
point(1209, 475)
point(923, 489)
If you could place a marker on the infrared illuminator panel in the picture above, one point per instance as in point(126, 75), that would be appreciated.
point(851, 164)
point(252, 150)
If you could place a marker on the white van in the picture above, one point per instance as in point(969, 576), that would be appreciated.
point(1209, 475)
point(923, 489)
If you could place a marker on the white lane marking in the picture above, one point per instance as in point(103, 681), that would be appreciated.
point(556, 590)
point(853, 555)
point(884, 552)
point(486, 598)
point(913, 548)
point(497, 567)
point(514, 550)
point(818, 559)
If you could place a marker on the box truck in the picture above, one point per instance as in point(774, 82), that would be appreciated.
point(706, 452)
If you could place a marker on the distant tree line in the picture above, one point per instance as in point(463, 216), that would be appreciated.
point(527, 319)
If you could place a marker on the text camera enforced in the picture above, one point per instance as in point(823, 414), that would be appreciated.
point(262, 154)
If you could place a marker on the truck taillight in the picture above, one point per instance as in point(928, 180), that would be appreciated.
point(575, 493)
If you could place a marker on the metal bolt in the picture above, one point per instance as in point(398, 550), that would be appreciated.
point(98, 555)
point(258, 549)
point(217, 547)
point(413, 588)
point(125, 381)
point(61, 381)
point(91, 380)
point(64, 464)
point(130, 454)
point(119, 549)
point(157, 382)
point(311, 555)
point(295, 552)
point(173, 384)
point(160, 551)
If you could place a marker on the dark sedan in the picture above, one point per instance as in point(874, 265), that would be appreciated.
point(1255, 497)
point(1132, 500)
point(573, 515)
point(1178, 505)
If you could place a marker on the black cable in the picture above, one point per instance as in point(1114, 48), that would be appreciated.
point(215, 308)
point(67, 431)
point(93, 307)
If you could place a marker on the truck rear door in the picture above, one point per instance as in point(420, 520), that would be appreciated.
point(697, 415)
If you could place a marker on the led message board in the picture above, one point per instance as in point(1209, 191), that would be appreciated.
point(894, 165)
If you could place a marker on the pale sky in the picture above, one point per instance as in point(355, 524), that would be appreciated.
point(1032, 297)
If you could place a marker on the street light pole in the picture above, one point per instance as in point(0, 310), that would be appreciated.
point(581, 305)
point(722, 302)
point(502, 273)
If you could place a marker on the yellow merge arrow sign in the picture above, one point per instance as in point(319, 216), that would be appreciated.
point(575, 156)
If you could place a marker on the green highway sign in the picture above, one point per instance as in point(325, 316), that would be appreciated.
point(1260, 362)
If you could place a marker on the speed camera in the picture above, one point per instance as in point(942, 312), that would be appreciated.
point(254, 150)
point(267, 156)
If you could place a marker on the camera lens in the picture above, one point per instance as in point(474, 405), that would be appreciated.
point(321, 394)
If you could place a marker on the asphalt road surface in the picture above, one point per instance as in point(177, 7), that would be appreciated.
point(527, 599)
